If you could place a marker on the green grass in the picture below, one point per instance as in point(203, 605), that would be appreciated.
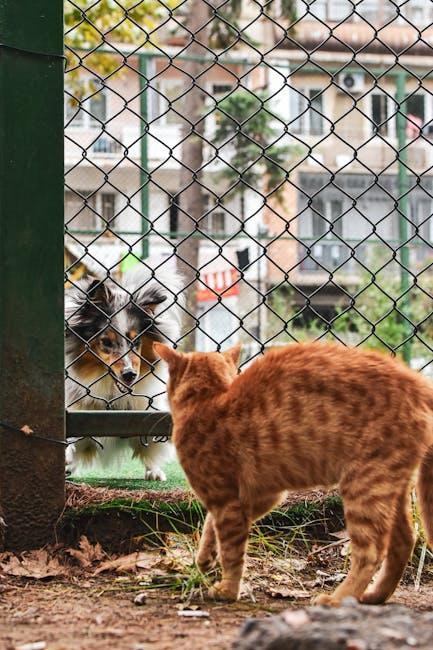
point(129, 474)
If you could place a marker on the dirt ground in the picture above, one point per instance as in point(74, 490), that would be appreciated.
point(90, 606)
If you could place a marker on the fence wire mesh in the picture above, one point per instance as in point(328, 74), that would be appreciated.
point(257, 172)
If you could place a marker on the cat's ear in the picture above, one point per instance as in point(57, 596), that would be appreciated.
point(168, 354)
point(234, 354)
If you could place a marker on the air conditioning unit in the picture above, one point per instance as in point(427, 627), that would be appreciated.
point(351, 82)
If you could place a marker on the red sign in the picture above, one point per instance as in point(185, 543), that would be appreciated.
point(219, 283)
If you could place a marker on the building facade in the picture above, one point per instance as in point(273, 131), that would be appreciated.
point(348, 115)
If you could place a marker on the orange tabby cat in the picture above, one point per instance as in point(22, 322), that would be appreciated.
point(303, 416)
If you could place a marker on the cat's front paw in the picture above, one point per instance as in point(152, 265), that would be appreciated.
point(154, 474)
point(373, 598)
point(329, 600)
point(227, 590)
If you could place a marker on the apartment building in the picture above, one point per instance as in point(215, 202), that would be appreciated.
point(343, 189)
point(123, 177)
point(336, 95)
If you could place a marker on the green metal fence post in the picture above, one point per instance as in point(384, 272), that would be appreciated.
point(144, 160)
point(403, 204)
point(31, 269)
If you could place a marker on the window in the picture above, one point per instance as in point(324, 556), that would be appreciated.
point(375, 12)
point(106, 145)
point(218, 222)
point(316, 225)
point(414, 109)
point(80, 210)
point(324, 212)
point(173, 219)
point(420, 214)
point(108, 207)
point(166, 102)
point(215, 222)
point(339, 10)
point(73, 112)
point(418, 12)
point(98, 106)
point(315, 116)
point(351, 10)
point(220, 91)
point(89, 112)
point(84, 209)
point(307, 107)
point(379, 113)
point(317, 8)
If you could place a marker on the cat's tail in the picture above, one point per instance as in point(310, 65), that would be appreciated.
point(425, 494)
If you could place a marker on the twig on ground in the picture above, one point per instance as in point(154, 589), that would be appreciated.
point(420, 567)
point(339, 542)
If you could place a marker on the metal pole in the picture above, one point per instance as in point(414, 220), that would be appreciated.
point(259, 289)
point(403, 205)
point(32, 472)
point(144, 155)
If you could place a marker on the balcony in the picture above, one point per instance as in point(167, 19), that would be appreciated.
point(326, 256)
point(335, 257)
point(105, 145)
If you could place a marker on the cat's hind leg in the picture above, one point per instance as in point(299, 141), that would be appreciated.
point(400, 547)
point(207, 550)
point(369, 517)
point(232, 525)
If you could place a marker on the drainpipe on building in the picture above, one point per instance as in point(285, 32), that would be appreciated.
point(144, 161)
point(403, 205)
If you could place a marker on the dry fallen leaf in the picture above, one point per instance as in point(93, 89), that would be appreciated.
point(123, 563)
point(168, 565)
point(291, 594)
point(34, 564)
point(87, 553)
point(141, 560)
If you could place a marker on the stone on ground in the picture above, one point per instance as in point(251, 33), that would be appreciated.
point(349, 627)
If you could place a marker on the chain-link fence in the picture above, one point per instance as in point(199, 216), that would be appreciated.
point(235, 171)
point(257, 172)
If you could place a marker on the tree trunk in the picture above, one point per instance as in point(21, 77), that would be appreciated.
point(190, 191)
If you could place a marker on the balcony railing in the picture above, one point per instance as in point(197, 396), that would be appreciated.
point(106, 145)
point(330, 256)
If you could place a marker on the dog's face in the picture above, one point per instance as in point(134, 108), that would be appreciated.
point(112, 332)
point(120, 352)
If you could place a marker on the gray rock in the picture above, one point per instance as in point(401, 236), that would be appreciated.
point(349, 627)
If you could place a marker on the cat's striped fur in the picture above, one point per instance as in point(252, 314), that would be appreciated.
point(303, 416)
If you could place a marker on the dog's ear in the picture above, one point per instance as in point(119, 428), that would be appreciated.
point(88, 288)
point(148, 297)
point(97, 293)
point(233, 354)
point(168, 354)
point(86, 303)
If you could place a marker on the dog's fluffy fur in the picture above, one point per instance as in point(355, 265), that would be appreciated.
point(109, 339)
